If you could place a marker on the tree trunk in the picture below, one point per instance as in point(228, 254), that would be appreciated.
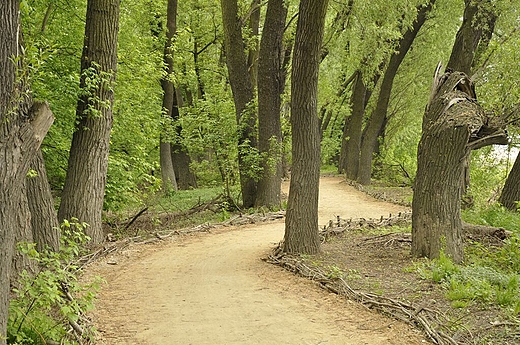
point(270, 88)
point(242, 89)
point(181, 160)
point(301, 225)
point(22, 233)
point(475, 33)
point(84, 188)
point(44, 218)
point(473, 36)
point(453, 125)
point(510, 195)
point(21, 132)
point(351, 139)
point(253, 54)
point(169, 179)
point(377, 118)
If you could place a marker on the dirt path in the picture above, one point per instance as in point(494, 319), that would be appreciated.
point(214, 289)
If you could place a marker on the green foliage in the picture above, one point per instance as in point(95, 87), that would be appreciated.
point(49, 301)
point(491, 276)
point(493, 215)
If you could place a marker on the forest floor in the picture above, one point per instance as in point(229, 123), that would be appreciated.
point(214, 287)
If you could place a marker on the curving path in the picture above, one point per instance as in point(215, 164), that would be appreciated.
point(214, 289)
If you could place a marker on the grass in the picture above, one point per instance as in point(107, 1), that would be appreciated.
point(490, 276)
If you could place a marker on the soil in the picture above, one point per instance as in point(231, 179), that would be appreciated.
point(213, 288)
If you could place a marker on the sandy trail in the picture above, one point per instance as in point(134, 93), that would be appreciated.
point(214, 289)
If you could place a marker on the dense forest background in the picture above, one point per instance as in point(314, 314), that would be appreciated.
point(360, 40)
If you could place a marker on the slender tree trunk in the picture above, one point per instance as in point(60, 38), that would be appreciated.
point(84, 188)
point(510, 196)
point(453, 125)
point(44, 218)
point(301, 225)
point(242, 88)
point(253, 54)
point(474, 34)
point(270, 89)
point(351, 139)
point(169, 179)
point(377, 118)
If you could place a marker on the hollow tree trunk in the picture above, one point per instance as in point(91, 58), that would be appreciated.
point(301, 225)
point(270, 88)
point(84, 188)
point(377, 118)
point(453, 125)
point(242, 89)
point(510, 195)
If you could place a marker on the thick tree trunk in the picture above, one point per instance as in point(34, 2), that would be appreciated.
point(44, 218)
point(169, 179)
point(84, 188)
point(301, 225)
point(378, 116)
point(453, 125)
point(242, 88)
point(510, 196)
point(270, 88)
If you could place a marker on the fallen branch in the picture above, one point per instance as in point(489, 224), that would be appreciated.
point(424, 318)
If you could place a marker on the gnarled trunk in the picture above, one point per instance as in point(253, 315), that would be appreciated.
point(453, 125)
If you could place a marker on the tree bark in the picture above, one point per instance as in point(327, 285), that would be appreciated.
point(21, 132)
point(242, 89)
point(84, 188)
point(44, 218)
point(352, 130)
point(510, 195)
point(271, 84)
point(453, 125)
point(169, 179)
point(474, 34)
point(378, 116)
point(253, 54)
point(301, 225)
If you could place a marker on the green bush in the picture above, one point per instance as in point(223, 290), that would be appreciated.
point(50, 304)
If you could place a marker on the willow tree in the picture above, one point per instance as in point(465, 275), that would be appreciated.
point(378, 117)
point(85, 183)
point(301, 225)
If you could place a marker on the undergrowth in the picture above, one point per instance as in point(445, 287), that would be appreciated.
point(490, 276)
point(49, 304)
